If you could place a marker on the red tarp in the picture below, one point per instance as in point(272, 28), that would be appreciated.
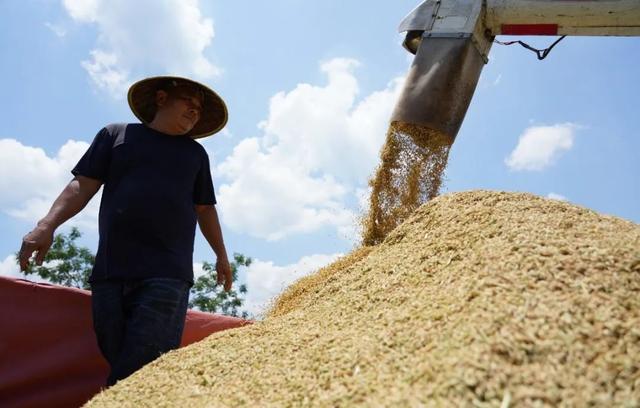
point(49, 355)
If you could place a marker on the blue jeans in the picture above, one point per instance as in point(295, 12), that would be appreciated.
point(136, 321)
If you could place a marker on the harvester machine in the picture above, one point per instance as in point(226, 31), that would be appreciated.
point(451, 40)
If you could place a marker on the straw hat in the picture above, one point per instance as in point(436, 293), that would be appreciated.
point(142, 101)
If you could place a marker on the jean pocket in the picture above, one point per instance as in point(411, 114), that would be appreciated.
point(177, 285)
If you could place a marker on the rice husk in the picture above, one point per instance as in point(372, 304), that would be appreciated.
point(486, 299)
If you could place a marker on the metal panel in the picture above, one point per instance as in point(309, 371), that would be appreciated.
point(440, 84)
point(573, 17)
point(421, 18)
point(443, 16)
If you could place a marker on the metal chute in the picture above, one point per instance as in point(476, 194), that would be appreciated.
point(447, 64)
point(451, 40)
point(440, 85)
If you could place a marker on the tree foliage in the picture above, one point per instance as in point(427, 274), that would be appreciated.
point(65, 264)
point(69, 265)
point(209, 297)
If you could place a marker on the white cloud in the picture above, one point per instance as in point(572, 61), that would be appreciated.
point(540, 146)
point(197, 270)
point(31, 181)
point(82, 10)
point(226, 133)
point(10, 269)
point(319, 145)
point(486, 83)
point(271, 200)
point(56, 29)
point(556, 196)
point(135, 38)
point(106, 73)
point(266, 280)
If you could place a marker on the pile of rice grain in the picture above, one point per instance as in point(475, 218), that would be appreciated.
point(480, 298)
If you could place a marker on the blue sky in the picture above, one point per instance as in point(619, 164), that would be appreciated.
point(310, 86)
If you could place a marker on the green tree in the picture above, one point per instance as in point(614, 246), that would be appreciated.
point(209, 297)
point(65, 264)
point(69, 265)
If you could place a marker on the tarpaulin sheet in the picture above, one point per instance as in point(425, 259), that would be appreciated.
point(49, 355)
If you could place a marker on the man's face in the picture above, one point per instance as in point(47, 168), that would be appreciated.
point(181, 109)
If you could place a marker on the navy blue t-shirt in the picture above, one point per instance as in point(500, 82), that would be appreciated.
point(147, 216)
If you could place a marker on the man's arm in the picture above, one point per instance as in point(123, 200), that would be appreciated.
point(71, 201)
point(210, 227)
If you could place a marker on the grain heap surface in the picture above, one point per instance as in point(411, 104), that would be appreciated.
point(478, 299)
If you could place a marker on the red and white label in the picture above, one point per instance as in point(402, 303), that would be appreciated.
point(529, 29)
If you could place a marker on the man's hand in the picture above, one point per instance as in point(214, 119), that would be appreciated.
point(40, 240)
point(210, 227)
point(73, 198)
point(223, 270)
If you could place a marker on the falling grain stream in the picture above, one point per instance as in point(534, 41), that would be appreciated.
point(412, 164)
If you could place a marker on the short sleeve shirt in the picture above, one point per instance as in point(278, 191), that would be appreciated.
point(147, 216)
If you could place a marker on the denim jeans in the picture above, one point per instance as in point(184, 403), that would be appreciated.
point(136, 321)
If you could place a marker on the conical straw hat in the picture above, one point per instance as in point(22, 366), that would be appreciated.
point(142, 101)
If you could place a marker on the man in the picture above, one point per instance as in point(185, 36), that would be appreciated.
point(157, 185)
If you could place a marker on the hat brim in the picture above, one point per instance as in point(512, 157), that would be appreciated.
point(142, 101)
